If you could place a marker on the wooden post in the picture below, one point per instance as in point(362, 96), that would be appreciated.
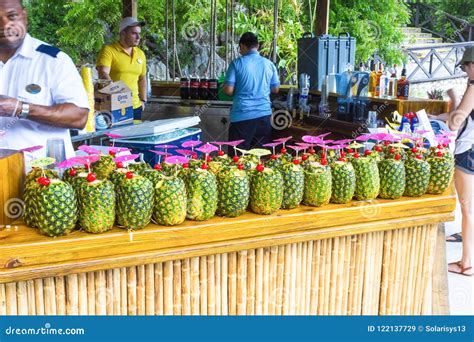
point(129, 8)
point(322, 13)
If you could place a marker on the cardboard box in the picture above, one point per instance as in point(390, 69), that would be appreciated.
point(115, 98)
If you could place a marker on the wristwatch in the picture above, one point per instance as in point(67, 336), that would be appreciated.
point(25, 110)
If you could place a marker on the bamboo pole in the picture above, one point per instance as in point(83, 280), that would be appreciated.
point(22, 298)
point(411, 268)
point(224, 284)
point(360, 273)
point(72, 297)
point(195, 291)
point(116, 291)
point(82, 288)
point(177, 287)
point(203, 284)
point(286, 281)
point(186, 286)
point(385, 269)
point(398, 273)
point(327, 285)
point(232, 283)
point(30, 295)
point(49, 297)
point(322, 279)
point(159, 296)
point(168, 288)
point(368, 266)
point(242, 283)
point(308, 261)
point(352, 266)
point(346, 273)
point(90, 293)
point(101, 294)
point(259, 282)
point(39, 297)
point(110, 294)
point(149, 289)
point(123, 291)
point(302, 286)
point(211, 285)
point(419, 271)
point(251, 282)
point(279, 280)
point(298, 287)
point(272, 289)
point(404, 270)
point(3, 300)
point(140, 289)
point(293, 281)
point(132, 291)
point(378, 269)
point(266, 280)
point(339, 277)
point(315, 260)
point(218, 278)
point(60, 295)
point(428, 262)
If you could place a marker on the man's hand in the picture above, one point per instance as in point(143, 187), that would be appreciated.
point(8, 106)
point(143, 104)
point(441, 117)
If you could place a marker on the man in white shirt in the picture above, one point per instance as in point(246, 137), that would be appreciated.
point(41, 92)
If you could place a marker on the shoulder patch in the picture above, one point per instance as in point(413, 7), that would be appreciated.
point(49, 50)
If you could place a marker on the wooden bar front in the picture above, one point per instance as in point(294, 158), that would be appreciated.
point(360, 258)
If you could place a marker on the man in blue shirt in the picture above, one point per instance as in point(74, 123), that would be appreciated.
point(250, 79)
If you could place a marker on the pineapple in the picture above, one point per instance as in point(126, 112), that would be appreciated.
point(417, 177)
point(139, 167)
point(215, 167)
point(117, 176)
point(170, 201)
point(249, 161)
point(96, 205)
point(317, 185)
point(153, 175)
point(201, 187)
point(35, 173)
point(104, 167)
point(367, 178)
point(54, 207)
point(71, 173)
point(274, 162)
point(266, 191)
point(343, 182)
point(441, 174)
point(135, 196)
point(392, 178)
point(293, 188)
point(233, 192)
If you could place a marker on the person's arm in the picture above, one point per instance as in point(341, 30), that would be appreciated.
point(457, 117)
point(104, 63)
point(229, 83)
point(275, 81)
point(142, 85)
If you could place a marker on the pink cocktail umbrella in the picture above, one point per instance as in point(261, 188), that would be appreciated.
point(166, 147)
point(191, 143)
point(71, 162)
point(88, 160)
point(234, 144)
point(207, 149)
point(283, 141)
point(159, 154)
point(31, 149)
point(185, 152)
point(272, 145)
point(126, 158)
point(88, 149)
point(296, 148)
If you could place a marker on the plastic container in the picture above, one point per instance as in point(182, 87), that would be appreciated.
point(145, 144)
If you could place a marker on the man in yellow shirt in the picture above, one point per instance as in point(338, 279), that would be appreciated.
point(124, 61)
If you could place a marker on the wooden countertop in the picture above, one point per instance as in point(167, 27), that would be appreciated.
point(25, 254)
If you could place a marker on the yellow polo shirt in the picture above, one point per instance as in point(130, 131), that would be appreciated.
point(124, 67)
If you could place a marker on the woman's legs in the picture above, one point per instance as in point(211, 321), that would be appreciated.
point(465, 189)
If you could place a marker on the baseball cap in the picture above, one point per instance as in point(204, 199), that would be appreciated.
point(468, 55)
point(130, 21)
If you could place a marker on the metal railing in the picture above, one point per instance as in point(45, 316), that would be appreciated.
point(441, 24)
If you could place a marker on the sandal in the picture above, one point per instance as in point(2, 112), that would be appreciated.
point(462, 268)
point(456, 237)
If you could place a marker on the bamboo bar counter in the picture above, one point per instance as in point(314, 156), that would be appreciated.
point(360, 258)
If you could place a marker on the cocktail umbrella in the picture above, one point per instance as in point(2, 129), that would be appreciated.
point(272, 145)
point(234, 144)
point(207, 149)
point(159, 154)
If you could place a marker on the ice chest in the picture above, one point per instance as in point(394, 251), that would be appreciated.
point(116, 99)
point(145, 144)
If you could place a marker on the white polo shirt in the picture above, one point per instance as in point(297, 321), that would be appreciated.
point(46, 77)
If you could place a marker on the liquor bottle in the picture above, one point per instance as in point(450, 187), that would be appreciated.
point(392, 83)
point(383, 86)
point(184, 87)
point(372, 79)
point(377, 83)
point(403, 85)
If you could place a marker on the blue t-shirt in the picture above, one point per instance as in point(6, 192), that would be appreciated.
point(252, 76)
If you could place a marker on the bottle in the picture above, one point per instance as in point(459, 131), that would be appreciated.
point(361, 66)
point(203, 88)
point(383, 84)
point(184, 87)
point(392, 83)
point(403, 85)
point(377, 82)
point(372, 79)
point(213, 89)
point(194, 88)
